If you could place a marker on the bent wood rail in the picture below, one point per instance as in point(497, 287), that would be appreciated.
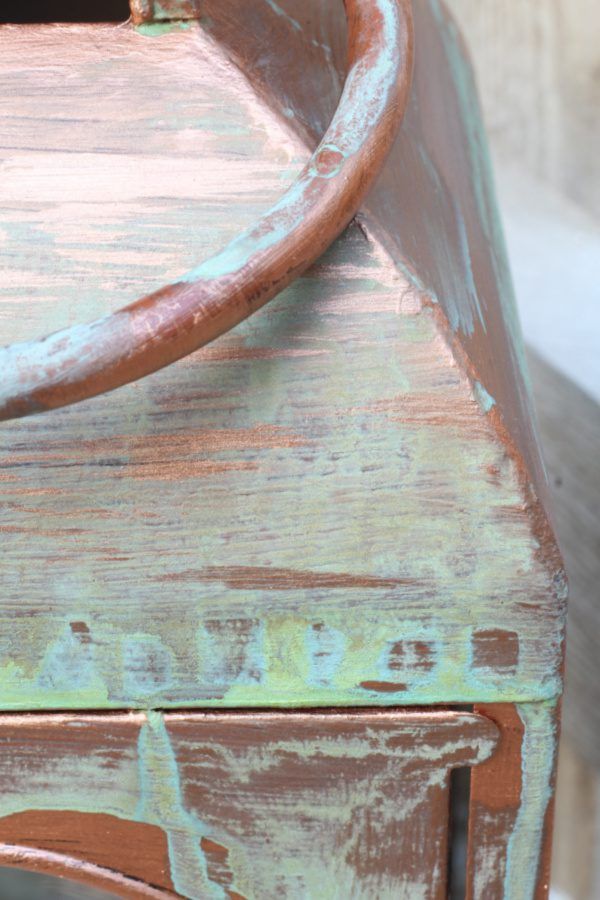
point(86, 360)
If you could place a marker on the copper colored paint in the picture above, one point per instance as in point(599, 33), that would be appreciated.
point(383, 687)
point(419, 655)
point(368, 791)
point(496, 649)
point(346, 452)
point(138, 851)
point(177, 319)
point(233, 492)
point(60, 865)
point(217, 865)
point(273, 579)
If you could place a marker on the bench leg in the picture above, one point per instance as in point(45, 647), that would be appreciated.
point(512, 805)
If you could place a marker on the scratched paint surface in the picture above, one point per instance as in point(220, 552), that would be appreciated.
point(369, 794)
point(316, 509)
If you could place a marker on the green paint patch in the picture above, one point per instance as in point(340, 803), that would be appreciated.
point(158, 29)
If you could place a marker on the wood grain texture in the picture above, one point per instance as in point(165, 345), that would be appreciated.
point(328, 506)
point(240, 805)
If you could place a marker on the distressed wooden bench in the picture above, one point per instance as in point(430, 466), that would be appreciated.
point(258, 606)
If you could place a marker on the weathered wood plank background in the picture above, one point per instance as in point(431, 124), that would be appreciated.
point(537, 67)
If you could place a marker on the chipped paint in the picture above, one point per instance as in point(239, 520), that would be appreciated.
point(326, 648)
point(281, 12)
point(316, 512)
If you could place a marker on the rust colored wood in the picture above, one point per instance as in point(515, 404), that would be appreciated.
point(239, 805)
point(512, 805)
point(174, 321)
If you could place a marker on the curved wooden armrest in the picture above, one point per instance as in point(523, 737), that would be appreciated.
point(86, 360)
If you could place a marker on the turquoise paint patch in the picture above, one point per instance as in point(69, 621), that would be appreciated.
point(161, 803)
point(147, 667)
point(485, 399)
point(232, 652)
point(286, 215)
point(376, 84)
point(470, 285)
point(326, 647)
point(158, 29)
point(48, 356)
point(68, 664)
